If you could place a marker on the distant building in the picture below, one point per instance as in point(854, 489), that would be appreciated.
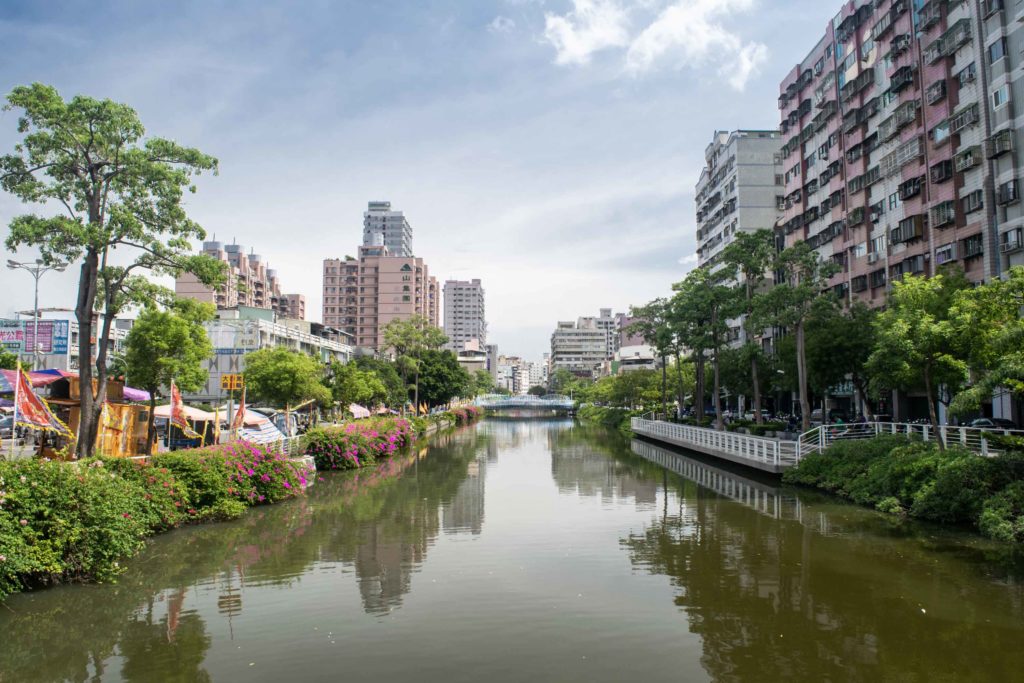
point(250, 282)
point(240, 331)
point(627, 336)
point(58, 339)
point(464, 319)
point(629, 358)
point(585, 346)
point(362, 295)
point(383, 227)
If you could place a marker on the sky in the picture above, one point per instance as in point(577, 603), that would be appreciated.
point(548, 147)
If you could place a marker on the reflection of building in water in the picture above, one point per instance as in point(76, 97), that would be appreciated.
point(465, 511)
point(578, 466)
point(385, 560)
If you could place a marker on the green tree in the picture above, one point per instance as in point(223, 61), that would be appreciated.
point(387, 373)
point(916, 345)
point(702, 305)
point(166, 345)
point(409, 338)
point(8, 360)
point(483, 382)
point(990, 335)
point(537, 391)
point(284, 378)
point(349, 384)
point(751, 254)
point(117, 192)
point(441, 378)
point(839, 343)
point(651, 322)
point(789, 305)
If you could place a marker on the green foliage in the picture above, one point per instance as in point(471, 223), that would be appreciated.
point(916, 479)
point(441, 378)
point(284, 377)
point(8, 360)
point(839, 343)
point(169, 345)
point(483, 382)
point(387, 374)
point(349, 384)
point(616, 418)
point(537, 391)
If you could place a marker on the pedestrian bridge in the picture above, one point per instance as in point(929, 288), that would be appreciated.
point(551, 402)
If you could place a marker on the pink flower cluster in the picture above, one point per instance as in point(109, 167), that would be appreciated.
point(258, 473)
point(359, 443)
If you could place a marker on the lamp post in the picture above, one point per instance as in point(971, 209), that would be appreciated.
point(36, 270)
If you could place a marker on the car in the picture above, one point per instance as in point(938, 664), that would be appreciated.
point(992, 423)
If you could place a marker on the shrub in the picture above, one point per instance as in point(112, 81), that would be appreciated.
point(842, 462)
point(165, 499)
point(357, 443)
point(1002, 516)
point(961, 485)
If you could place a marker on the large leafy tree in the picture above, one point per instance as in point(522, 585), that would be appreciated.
point(702, 305)
point(166, 345)
point(409, 339)
point(989, 333)
point(396, 391)
point(483, 382)
point(839, 343)
point(751, 254)
point(789, 304)
point(441, 378)
point(651, 322)
point(349, 384)
point(284, 377)
point(120, 213)
point(916, 344)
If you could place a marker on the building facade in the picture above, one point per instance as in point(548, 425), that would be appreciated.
point(901, 152)
point(362, 295)
point(464, 319)
point(383, 227)
point(739, 190)
point(250, 282)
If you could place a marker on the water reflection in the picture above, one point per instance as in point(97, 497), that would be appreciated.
point(150, 621)
point(780, 588)
point(581, 464)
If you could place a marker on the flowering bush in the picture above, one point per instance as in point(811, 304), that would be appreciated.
point(357, 443)
point(465, 414)
point(77, 521)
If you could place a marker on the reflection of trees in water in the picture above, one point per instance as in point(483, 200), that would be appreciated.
point(773, 600)
point(581, 463)
point(381, 521)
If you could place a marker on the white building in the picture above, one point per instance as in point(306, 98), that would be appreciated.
point(464, 318)
point(585, 346)
point(384, 227)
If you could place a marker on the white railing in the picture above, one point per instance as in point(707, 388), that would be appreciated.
point(741, 447)
point(973, 439)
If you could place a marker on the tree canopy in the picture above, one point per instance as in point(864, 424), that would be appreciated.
point(284, 377)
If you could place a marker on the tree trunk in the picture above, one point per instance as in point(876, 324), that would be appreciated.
point(151, 423)
point(416, 392)
point(932, 415)
point(801, 374)
point(755, 378)
point(679, 375)
point(698, 399)
point(719, 423)
point(862, 394)
point(664, 386)
point(83, 313)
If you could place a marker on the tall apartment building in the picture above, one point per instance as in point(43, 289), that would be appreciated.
point(582, 347)
point(739, 189)
point(250, 282)
point(464, 313)
point(387, 228)
point(362, 295)
point(900, 150)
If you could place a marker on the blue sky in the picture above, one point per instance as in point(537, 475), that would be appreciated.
point(548, 147)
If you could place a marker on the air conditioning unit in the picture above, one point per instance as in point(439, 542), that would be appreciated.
point(873, 257)
point(1010, 246)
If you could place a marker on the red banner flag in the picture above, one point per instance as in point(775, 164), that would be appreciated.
point(33, 412)
point(178, 418)
point(239, 419)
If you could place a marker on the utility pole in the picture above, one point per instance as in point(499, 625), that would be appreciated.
point(36, 270)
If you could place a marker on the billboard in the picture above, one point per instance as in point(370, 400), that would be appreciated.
point(18, 336)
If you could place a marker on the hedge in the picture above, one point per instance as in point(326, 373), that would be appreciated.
point(616, 418)
point(907, 477)
point(77, 521)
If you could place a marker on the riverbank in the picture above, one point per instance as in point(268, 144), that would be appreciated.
point(77, 521)
point(615, 418)
point(908, 478)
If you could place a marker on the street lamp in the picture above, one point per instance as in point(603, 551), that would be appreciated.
point(36, 270)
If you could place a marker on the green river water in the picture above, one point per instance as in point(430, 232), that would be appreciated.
point(538, 551)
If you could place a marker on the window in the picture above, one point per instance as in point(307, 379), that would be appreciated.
point(973, 246)
point(940, 133)
point(973, 201)
point(1000, 97)
point(894, 200)
point(966, 75)
point(942, 171)
point(1008, 193)
point(877, 278)
point(997, 51)
point(945, 253)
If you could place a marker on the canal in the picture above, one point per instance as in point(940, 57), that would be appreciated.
point(544, 551)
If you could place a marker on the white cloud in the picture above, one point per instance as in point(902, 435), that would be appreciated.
point(684, 34)
point(688, 260)
point(501, 25)
point(591, 26)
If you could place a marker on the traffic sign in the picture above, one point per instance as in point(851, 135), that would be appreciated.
point(232, 382)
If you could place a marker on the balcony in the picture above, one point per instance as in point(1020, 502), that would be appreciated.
point(901, 78)
point(930, 14)
point(973, 246)
point(911, 188)
point(945, 254)
point(943, 214)
point(1012, 240)
point(877, 278)
point(949, 42)
point(942, 171)
point(859, 283)
point(999, 144)
point(936, 92)
point(967, 159)
point(856, 216)
point(908, 229)
point(1008, 193)
point(964, 118)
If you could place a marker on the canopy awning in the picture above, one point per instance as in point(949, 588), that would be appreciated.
point(358, 411)
point(191, 413)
